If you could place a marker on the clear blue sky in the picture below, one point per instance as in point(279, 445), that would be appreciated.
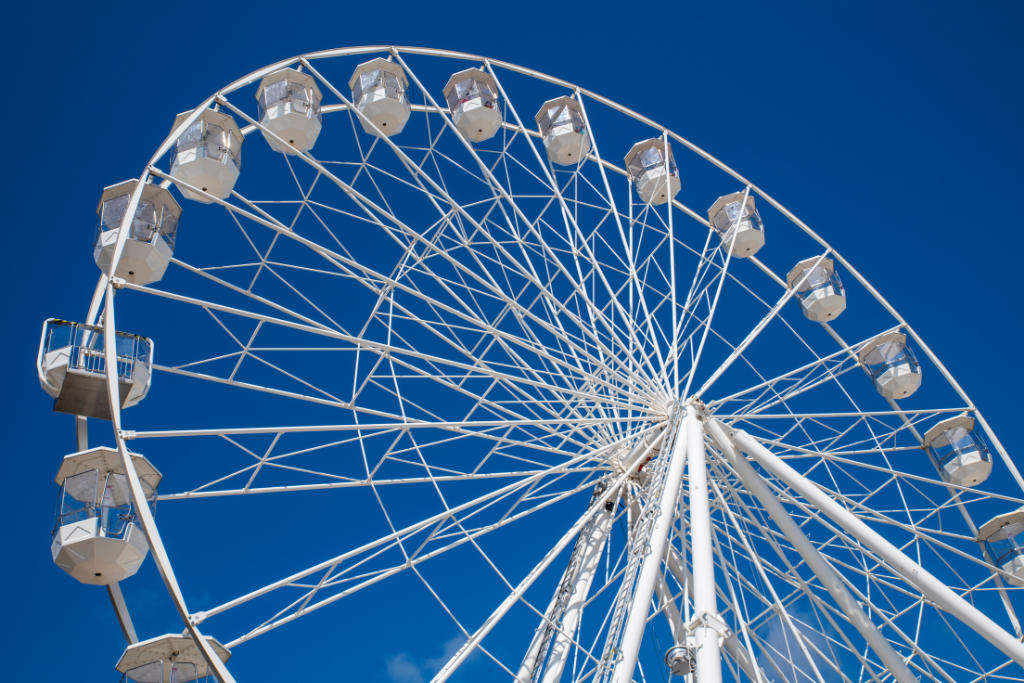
point(892, 128)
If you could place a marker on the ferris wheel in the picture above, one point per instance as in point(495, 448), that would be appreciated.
point(509, 371)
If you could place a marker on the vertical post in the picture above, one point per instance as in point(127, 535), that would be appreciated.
point(705, 599)
point(732, 646)
point(82, 432)
point(636, 623)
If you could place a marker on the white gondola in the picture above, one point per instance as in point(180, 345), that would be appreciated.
point(379, 91)
point(168, 659)
point(646, 165)
point(152, 233)
point(563, 130)
point(821, 294)
point(289, 107)
point(1003, 536)
point(72, 368)
point(958, 451)
point(208, 155)
point(472, 97)
point(892, 365)
point(95, 537)
point(736, 219)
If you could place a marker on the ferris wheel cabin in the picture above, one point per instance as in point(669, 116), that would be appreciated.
point(168, 659)
point(647, 166)
point(95, 537)
point(738, 224)
point(379, 92)
point(289, 107)
point(72, 368)
point(958, 451)
point(151, 234)
point(207, 156)
point(892, 365)
point(472, 97)
point(818, 288)
point(565, 135)
point(1003, 537)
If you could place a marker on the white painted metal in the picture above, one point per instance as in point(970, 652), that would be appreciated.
point(824, 571)
point(580, 591)
point(599, 354)
point(474, 641)
point(733, 646)
point(650, 570)
point(137, 493)
point(707, 622)
point(912, 572)
point(124, 618)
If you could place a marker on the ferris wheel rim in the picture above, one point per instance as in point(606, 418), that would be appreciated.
point(106, 286)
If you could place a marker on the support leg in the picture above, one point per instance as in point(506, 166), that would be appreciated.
point(932, 588)
point(705, 599)
point(825, 572)
point(636, 623)
point(574, 610)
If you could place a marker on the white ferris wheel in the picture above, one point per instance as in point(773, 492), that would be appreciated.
point(424, 346)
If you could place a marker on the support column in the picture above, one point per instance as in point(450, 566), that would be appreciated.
point(563, 613)
point(636, 623)
point(732, 645)
point(574, 610)
point(705, 624)
point(82, 433)
point(529, 663)
point(826, 573)
point(932, 588)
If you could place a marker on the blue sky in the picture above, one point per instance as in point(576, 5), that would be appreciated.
point(893, 129)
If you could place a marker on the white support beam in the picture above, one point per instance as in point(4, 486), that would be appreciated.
point(931, 588)
point(705, 598)
point(636, 623)
point(591, 556)
point(138, 496)
point(826, 573)
point(735, 649)
point(121, 610)
point(517, 593)
point(533, 653)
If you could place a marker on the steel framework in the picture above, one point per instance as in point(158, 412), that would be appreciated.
point(505, 342)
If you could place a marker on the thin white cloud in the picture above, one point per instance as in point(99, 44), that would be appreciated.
point(403, 669)
point(450, 648)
